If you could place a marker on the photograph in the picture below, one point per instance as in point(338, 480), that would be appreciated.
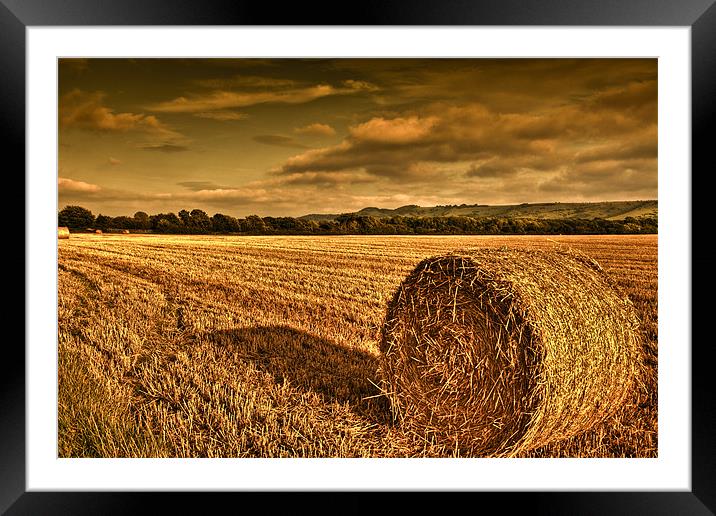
point(357, 257)
point(430, 250)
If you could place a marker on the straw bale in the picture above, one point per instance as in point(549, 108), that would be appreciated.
point(497, 352)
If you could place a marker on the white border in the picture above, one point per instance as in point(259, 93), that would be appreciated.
point(670, 471)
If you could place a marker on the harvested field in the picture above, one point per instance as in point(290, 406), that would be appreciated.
point(192, 346)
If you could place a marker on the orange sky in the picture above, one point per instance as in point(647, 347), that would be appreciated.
point(291, 136)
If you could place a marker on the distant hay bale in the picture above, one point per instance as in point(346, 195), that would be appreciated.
point(497, 352)
point(63, 232)
point(125, 232)
point(98, 231)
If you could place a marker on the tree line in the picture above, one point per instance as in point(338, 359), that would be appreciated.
point(198, 221)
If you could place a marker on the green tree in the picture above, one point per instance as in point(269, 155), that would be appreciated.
point(75, 217)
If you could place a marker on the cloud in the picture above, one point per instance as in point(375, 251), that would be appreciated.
point(222, 99)
point(71, 190)
point(644, 146)
point(196, 186)
point(500, 166)
point(223, 116)
point(392, 147)
point(113, 161)
point(360, 85)
point(66, 185)
point(278, 140)
point(226, 98)
point(327, 178)
point(247, 82)
point(86, 111)
point(470, 140)
point(397, 130)
point(490, 169)
point(504, 85)
point(229, 196)
point(287, 195)
point(316, 130)
point(164, 147)
point(635, 178)
point(636, 97)
point(417, 132)
point(78, 65)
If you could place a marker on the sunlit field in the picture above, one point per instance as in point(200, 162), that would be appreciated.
point(211, 346)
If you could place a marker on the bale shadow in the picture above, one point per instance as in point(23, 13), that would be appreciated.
point(312, 364)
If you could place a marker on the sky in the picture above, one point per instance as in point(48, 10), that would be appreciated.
point(289, 137)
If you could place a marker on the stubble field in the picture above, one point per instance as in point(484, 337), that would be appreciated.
point(198, 346)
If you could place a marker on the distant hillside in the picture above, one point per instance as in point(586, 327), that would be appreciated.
point(610, 210)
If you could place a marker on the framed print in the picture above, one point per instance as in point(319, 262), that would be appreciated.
point(266, 220)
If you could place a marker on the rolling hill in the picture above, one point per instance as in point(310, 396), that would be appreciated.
point(610, 210)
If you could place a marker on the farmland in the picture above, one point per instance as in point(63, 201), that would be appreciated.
point(210, 346)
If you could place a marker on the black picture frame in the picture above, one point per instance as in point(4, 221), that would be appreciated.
point(699, 15)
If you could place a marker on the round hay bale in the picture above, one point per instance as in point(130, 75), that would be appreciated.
point(98, 231)
point(125, 232)
point(63, 232)
point(497, 352)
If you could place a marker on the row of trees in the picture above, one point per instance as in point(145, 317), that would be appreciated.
point(199, 222)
